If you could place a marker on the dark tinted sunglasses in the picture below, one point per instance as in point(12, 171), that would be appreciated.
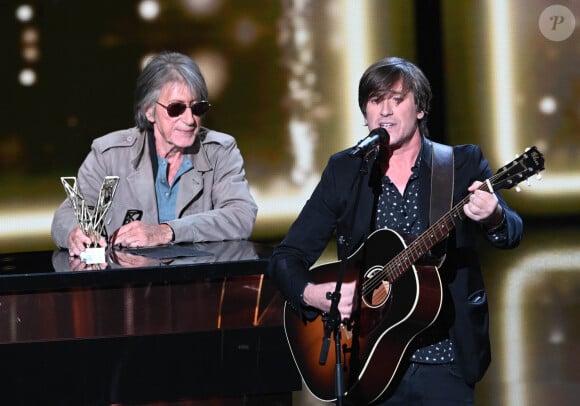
point(198, 108)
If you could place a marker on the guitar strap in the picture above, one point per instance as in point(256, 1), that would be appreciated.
point(442, 177)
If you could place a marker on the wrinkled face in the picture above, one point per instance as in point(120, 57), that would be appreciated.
point(173, 132)
point(396, 112)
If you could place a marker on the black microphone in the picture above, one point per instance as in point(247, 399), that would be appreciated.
point(376, 136)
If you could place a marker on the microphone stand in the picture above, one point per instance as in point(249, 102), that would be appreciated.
point(331, 320)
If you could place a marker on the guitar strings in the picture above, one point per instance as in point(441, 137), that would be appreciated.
point(394, 269)
point(401, 262)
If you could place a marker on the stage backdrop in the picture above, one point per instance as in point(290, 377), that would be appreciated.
point(283, 78)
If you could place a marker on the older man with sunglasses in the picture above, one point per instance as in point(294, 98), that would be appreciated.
point(186, 182)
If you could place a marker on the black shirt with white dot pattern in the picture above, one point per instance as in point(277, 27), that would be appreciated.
point(401, 213)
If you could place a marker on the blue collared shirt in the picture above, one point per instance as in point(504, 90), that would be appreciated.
point(166, 193)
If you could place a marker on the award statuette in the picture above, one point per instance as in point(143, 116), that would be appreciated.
point(91, 219)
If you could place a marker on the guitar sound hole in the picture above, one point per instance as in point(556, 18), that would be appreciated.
point(379, 294)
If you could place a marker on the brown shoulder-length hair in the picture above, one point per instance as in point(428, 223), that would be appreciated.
point(381, 76)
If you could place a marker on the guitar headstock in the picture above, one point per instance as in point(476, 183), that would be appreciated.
point(527, 164)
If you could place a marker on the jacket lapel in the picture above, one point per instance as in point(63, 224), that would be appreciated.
point(140, 183)
point(192, 182)
point(425, 187)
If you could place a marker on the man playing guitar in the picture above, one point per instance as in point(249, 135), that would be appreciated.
point(389, 187)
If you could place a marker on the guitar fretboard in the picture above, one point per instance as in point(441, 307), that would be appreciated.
point(401, 262)
point(532, 161)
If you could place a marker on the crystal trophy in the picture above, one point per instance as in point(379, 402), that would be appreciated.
point(91, 219)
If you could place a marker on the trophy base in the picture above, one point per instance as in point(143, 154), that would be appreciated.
point(93, 256)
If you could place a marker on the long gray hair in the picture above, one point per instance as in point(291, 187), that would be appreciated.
point(166, 67)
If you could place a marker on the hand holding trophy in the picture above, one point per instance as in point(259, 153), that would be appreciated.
point(91, 219)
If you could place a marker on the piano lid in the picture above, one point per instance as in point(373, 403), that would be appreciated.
point(39, 270)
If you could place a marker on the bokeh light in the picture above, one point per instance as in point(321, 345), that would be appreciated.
point(24, 13)
point(201, 7)
point(149, 9)
point(27, 77)
point(548, 105)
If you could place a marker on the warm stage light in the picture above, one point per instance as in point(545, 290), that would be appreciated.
point(30, 35)
point(356, 60)
point(215, 68)
point(504, 117)
point(246, 31)
point(201, 7)
point(30, 50)
point(528, 272)
point(145, 60)
point(30, 54)
point(501, 80)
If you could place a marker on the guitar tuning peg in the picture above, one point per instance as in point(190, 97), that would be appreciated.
point(539, 176)
point(518, 189)
point(527, 149)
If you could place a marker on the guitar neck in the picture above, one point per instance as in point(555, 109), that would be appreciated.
point(422, 244)
point(508, 176)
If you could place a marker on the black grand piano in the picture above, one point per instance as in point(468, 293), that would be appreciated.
point(179, 325)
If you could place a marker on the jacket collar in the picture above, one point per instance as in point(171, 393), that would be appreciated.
point(145, 147)
point(426, 152)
